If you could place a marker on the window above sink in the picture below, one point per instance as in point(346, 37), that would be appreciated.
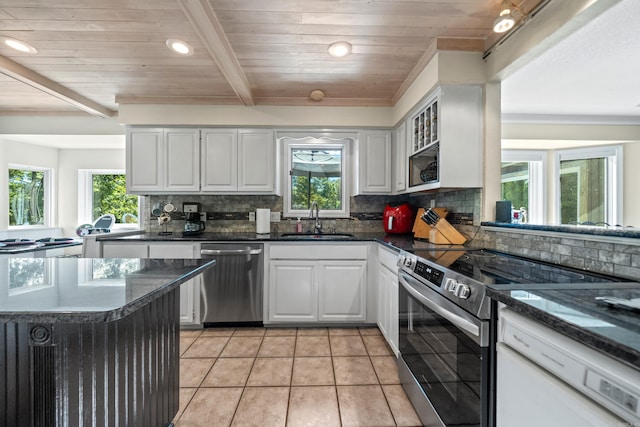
point(316, 171)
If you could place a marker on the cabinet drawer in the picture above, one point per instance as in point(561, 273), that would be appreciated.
point(131, 250)
point(388, 258)
point(171, 251)
point(315, 251)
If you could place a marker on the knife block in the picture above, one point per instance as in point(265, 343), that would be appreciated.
point(445, 233)
point(421, 229)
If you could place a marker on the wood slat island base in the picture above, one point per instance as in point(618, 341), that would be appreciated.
point(86, 366)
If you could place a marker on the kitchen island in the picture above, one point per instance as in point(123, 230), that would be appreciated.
point(91, 341)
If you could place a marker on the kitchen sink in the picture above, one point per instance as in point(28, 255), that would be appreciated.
point(316, 236)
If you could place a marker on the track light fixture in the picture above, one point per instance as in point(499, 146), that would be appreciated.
point(509, 14)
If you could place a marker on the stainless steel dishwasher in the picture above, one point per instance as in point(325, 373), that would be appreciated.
point(232, 289)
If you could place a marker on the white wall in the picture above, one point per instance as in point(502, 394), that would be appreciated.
point(70, 161)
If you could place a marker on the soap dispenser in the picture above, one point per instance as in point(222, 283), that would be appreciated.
point(299, 226)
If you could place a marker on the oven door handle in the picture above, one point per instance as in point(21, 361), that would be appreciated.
point(454, 318)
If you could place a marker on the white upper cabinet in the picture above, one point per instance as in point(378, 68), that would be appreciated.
point(399, 155)
point(239, 161)
point(373, 163)
point(191, 161)
point(145, 160)
point(162, 160)
point(446, 149)
point(256, 161)
point(219, 171)
point(182, 154)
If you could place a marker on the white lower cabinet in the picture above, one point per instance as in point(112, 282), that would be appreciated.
point(341, 291)
point(293, 296)
point(317, 283)
point(388, 298)
point(189, 291)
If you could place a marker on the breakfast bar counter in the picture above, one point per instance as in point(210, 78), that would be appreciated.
point(91, 341)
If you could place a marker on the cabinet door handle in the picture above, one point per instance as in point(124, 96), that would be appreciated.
point(230, 251)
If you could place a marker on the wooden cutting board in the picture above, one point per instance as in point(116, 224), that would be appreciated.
point(420, 228)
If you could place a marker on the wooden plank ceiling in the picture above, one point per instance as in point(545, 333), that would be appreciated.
point(254, 52)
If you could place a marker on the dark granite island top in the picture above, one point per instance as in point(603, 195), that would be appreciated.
point(572, 309)
point(91, 341)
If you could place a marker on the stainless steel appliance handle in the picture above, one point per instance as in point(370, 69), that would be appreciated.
point(454, 318)
point(230, 251)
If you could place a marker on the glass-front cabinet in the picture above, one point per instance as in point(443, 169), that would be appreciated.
point(446, 139)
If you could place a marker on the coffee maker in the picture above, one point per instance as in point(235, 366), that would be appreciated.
point(193, 225)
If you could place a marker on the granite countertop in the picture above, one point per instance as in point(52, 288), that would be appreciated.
point(572, 310)
point(87, 289)
point(393, 241)
point(38, 246)
point(612, 231)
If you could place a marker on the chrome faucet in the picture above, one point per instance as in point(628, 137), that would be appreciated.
point(317, 227)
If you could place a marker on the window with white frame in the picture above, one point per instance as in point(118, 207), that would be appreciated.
point(104, 192)
point(316, 172)
point(523, 182)
point(29, 196)
point(589, 185)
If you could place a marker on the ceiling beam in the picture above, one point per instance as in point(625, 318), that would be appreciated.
point(204, 20)
point(48, 86)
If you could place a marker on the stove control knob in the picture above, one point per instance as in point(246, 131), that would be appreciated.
point(463, 291)
point(451, 285)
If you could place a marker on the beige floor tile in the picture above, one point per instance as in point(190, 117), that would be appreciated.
point(249, 332)
point(271, 371)
point(218, 332)
point(347, 346)
point(261, 407)
point(312, 346)
point(354, 371)
point(193, 371)
point(386, 369)
point(305, 332)
point(211, 407)
point(344, 331)
point(281, 332)
point(277, 347)
point(206, 347)
point(185, 343)
point(312, 371)
point(364, 406)
point(376, 346)
point(369, 330)
point(191, 333)
point(229, 372)
point(401, 407)
point(185, 397)
point(242, 347)
point(313, 406)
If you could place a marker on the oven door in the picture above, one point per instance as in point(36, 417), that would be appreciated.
point(444, 358)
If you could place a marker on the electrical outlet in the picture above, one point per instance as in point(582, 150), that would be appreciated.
point(275, 216)
point(203, 216)
point(252, 216)
point(432, 203)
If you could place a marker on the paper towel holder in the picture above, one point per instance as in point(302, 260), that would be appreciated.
point(263, 221)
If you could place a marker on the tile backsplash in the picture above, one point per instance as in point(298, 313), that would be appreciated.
point(230, 213)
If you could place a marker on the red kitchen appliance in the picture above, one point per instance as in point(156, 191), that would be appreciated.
point(399, 218)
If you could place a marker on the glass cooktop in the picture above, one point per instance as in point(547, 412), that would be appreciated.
point(492, 267)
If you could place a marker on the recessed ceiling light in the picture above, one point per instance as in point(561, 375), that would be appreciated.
point(18, 45)
point(339, 49)
point(317, 95)
point(180, 47)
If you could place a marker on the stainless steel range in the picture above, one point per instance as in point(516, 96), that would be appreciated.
point(447, 334)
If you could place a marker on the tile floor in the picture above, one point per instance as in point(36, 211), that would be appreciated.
point(272, 377)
